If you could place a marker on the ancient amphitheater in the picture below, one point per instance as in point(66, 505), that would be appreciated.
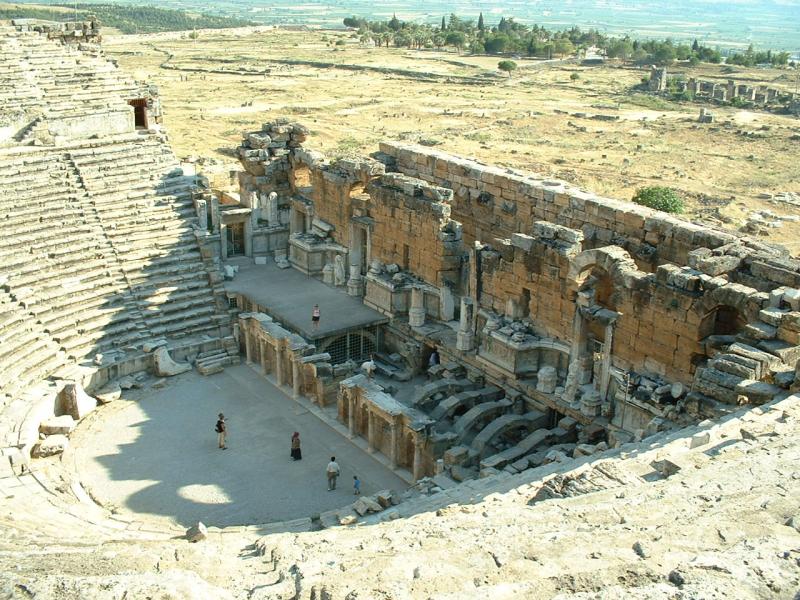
point(573, 396)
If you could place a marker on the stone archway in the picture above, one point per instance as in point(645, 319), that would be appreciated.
point(594, 282)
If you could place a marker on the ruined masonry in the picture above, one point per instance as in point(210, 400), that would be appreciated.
point(536, 348)
point(563, 320)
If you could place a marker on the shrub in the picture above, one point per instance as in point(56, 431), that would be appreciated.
point(507, 66)
point(659, 198)
point(574, 76)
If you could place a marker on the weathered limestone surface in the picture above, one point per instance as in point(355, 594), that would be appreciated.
point(165, 366)
point(74, 401)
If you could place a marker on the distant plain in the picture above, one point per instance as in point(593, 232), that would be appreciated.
point(539, 119)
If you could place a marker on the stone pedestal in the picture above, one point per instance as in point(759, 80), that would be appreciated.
point(465, 339)
point(327, 274)
point(547, 379)
point(416, 314)
point(591, 404)
point(355, 285)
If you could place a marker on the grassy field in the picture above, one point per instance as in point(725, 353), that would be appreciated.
point(539, 119)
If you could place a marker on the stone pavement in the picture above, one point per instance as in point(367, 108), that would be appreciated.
point(158, 456)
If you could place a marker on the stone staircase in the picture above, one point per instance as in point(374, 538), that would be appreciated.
point(758, 363)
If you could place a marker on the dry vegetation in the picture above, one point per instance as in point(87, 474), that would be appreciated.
point(463, 105)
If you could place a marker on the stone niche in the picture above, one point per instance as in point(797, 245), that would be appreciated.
point(309, 254)
point(525, 355)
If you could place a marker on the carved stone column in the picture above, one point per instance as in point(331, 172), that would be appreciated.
point(370, 432)
point(605, 371)
point(279, 366)
point(248, 340)
point(416, 314)
point(351, 415)
point(295, 379)
point(264, 365)
point(393, 433)
point(465, 338)
point(418, 458)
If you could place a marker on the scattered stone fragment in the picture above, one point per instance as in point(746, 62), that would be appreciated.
point(197, 532)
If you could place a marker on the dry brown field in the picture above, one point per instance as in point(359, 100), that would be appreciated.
point(540, 119)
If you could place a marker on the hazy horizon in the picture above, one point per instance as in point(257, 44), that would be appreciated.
point(730, 23)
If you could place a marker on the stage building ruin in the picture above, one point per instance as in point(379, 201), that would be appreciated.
point(561, 318)
point(564, 323)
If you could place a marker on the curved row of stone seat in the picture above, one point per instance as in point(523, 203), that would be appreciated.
point(27, 353)
point(52, 241)
point(37, 72)
point(151, 227)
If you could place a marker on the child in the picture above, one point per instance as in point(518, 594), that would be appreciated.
point(356, 486)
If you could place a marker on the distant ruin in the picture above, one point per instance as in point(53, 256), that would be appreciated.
point(758, 96)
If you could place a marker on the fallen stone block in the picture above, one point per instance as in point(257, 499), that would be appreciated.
point(366, 505)
point(74, 401)
point(150, 346)
point(109, 393)
point(62, 425)
point(583, 450)
point(384, 498)
point(197, 533)
point(757, 392)
point(699, 439)
point(348, 519)
point(165, 366)
point(666, 467)
point(49, 446)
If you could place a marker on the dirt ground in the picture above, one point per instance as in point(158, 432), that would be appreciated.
point(539, 119)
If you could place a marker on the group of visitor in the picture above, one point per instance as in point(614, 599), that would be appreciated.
point(332, 470)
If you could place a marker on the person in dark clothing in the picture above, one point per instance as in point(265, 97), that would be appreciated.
point(296, 453)
point(222, 431)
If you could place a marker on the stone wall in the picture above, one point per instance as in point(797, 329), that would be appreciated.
point(412, 228)
point(492, 202)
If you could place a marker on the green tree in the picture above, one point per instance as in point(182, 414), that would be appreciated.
point(455, 39)
point(477, 47)
point(443, 26)
point(394, 23)
point(659, 198)
point(507, 66)
point(621, 48)
point(402, 39)
point(563, 47)
point(640, 56)
point(480, 22)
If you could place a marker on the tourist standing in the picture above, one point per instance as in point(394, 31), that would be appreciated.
point(296, 454)
point(222, 431)
point(333, 472)
point(315, 314)
point(356, 486)
point(433, 359)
